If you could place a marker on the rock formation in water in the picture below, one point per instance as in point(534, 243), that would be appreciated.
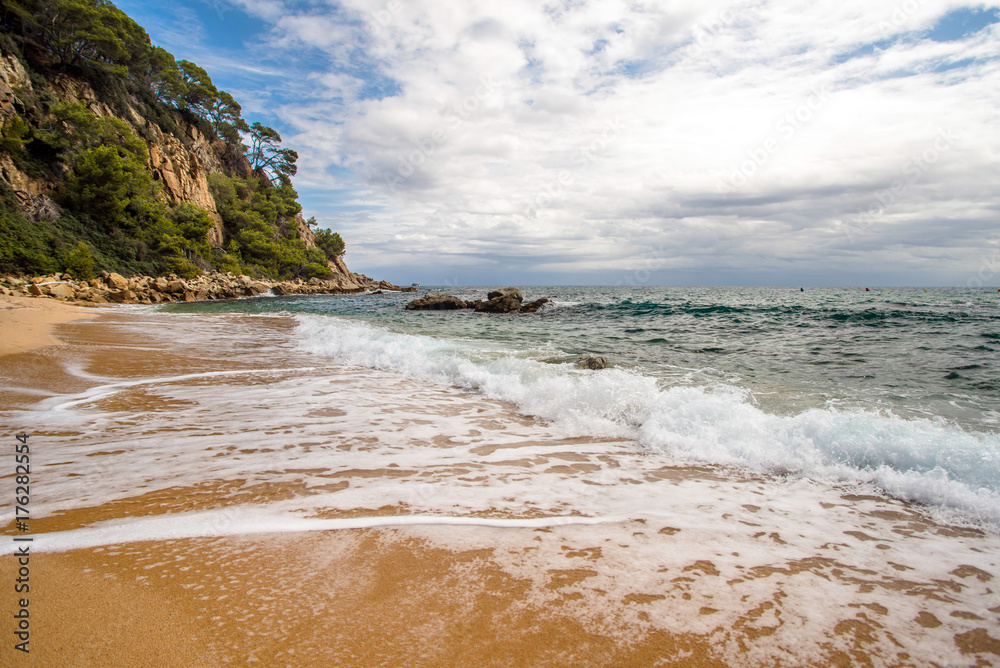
point(505, 300)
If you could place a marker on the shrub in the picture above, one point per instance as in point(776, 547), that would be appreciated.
point(79, 263)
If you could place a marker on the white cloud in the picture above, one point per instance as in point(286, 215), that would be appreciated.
point(574, 136)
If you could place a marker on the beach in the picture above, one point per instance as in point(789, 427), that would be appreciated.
point(207, 490)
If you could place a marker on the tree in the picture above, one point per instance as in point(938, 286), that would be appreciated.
point(78, 32)
point(199, 93)
point(163, 77)
point(224, 113)
point(104, 183)
point(79, 262)
point(330, 242)
point(266, 156)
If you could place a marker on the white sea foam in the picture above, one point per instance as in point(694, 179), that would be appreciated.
point(921, 460)
point(255, 520)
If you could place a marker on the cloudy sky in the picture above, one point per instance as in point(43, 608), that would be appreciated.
point(678, 142)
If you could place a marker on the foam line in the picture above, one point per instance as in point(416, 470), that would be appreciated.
point(65, 402)
point(212, 524)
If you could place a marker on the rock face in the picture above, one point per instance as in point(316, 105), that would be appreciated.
point(593, 363)
point(506, 300)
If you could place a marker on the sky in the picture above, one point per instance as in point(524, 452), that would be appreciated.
point(679, 142)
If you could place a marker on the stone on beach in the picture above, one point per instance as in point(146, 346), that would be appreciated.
point(113, 287)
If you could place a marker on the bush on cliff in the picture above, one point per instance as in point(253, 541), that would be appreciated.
point(260, 222)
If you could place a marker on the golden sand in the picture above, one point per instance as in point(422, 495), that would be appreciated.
point(26, 323)
point(414, 597)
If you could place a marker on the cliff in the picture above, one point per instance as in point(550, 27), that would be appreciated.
point(182, 152)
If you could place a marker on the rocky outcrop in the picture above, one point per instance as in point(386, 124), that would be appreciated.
point(115, 288)
point(593, 363)
point(436, 301)
point(505, 300)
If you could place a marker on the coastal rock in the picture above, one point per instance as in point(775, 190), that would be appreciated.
point(165, 289)
point(593, 363)
point(116, 281)
point(505, 303)
point(505, 300)
point(531, 307)
point(258, 288)
point(125, 296)
point(436, 301)
point(62, 291)
point(506, 292)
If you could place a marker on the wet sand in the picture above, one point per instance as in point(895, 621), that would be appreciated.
point(26, 323)
point(713, 568)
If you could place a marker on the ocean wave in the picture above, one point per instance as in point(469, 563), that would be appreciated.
point(922, 460)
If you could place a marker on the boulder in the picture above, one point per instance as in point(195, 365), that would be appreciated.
point(593, 363)
point(35, 290)
point(512, 292)
point(258, 288)
point(504, 303)
point(62, 291)
point(176, 287)
point(436, 301)
point(125, 296)
point(531, 307)
point(116, 282)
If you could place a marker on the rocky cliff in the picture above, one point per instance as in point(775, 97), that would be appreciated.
point(181, 164)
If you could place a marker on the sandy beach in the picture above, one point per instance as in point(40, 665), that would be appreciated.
point(204, 494)
point(26, 323)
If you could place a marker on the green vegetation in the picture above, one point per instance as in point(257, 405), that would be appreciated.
point(112, 213)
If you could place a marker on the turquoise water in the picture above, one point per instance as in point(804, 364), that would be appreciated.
point(932, 353)
point(897, 389)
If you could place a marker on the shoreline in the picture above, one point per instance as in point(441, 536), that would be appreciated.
point(230, 425)
point(27, 324)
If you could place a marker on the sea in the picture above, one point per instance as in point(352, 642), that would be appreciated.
point(756, 468)
point(896, 388)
